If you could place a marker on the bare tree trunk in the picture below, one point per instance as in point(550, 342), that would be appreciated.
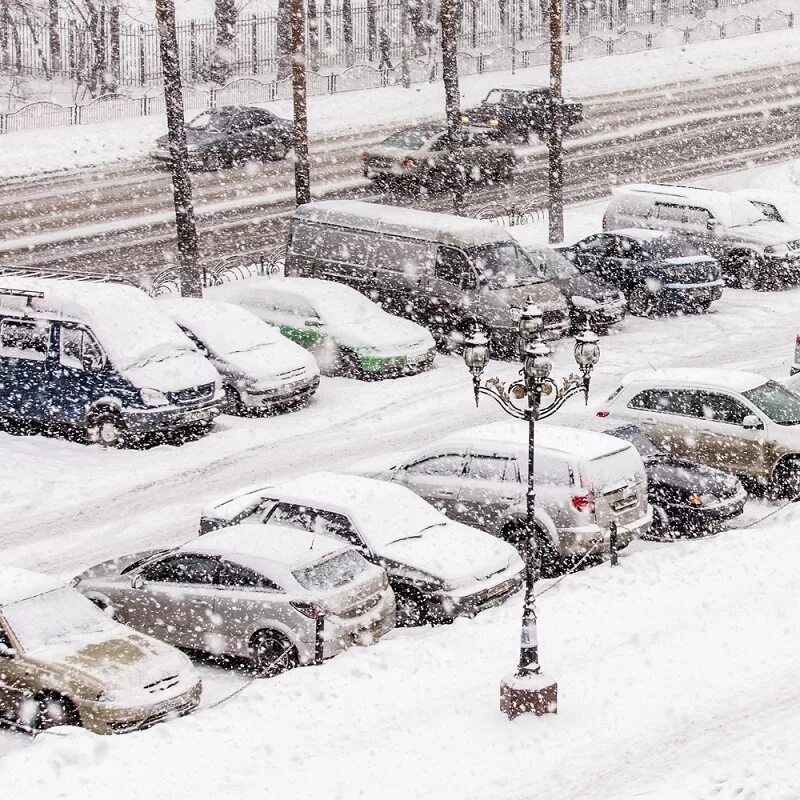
point(372, 29)
point(347, 30)
point(225, 16)
point(284, 38)
point(113, 35)
point(191, 279)
point(450, 17)
point(555, 212)
point(55, 36)
point(302, 170)
point(313, 36)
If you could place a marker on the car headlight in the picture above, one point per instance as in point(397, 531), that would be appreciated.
point(464, 119)
point(192, 148)
point(776, 249)
point(675, 272)
point(515, 313)
point(702, 500)
point(584, 302)
point(494, 123)
point(152, 398)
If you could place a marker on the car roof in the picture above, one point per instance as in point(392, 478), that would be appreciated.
point(700, 377)
point(282, 547)
point(19, 584)
point(309, 288)
point(559, 439)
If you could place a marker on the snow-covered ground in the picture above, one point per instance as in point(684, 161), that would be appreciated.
point(30, 152)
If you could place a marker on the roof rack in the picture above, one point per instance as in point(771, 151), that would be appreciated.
point(63, 274)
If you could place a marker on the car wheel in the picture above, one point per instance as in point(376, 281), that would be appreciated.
point(436, 182)
point(53, 710)
point(550, 562)
point(640, 301)
point(279, 151)
point(786, 479)
point(745, 272)
point(233, 402)
point(702, 308)
point(212, 161)
point(272, 654)
point(661, 529)
point(105, 429)
point(349, 366)
point(412, 609)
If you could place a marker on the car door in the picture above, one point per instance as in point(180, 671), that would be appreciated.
point(448, 294)
point(590, 254)
point(267, 134)
point(436, 478)
point(722, 442)
point(624, 265)
point(400, 269)
point(490, 485)
point(173, 599)
point(25, 347)
point(16, 679)
point(669, 417)
point(243, 137)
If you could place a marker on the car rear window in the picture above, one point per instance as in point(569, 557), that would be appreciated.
point(338, 570)
point(621, 465)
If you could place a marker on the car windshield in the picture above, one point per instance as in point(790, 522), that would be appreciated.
point(208, 122)
point(550, 264)
point(55, 618)
point(780, 404)
point(499, 96)
point(344, 306)
point(412, 139)
point(503, 266)
point(646, 447)
point(741, 212)
point(338, 570)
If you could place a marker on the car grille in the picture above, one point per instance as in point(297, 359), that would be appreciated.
point(181, 710)
point(161, 685)
point(197, 394)
point(292, 374)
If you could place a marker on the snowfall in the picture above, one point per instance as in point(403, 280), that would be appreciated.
point(676, 669)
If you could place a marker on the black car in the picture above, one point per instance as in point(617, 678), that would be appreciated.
point(421, 156)
point(225, 136)
point(516, 114)
point(656, 271)
point(589, 299)
point(687, 498)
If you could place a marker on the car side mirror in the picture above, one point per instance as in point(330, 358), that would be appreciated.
point(752, 423)
point(467, 280)
point(7, 652)
point(713, 226)
point(138, 582)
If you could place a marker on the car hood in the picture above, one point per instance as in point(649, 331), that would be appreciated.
point(454, 552)
point(767, 232)
point(182, 370)
point(545, 294)
point(586, 286)
point(692, 478)
point(385, 334)
point(273, 363)
point(113, 567)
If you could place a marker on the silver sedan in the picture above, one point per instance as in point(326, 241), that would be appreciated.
point(276, 599)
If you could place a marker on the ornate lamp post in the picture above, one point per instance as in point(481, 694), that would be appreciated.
point(528, 690)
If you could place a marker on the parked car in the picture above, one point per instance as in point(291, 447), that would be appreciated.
point(738, 422)
point(775, 205)
point(222, 137)
point(439, 569)
point(101, 358)
point(754, 252)
point(237, 592)
point(440, 270)
point(64, 662)
point(261, 369)
point(584, 480)
point(654, 270)
point(421, 156)
point(347, 333)
point(687, 498)
point(516, 114)
point(590, 299)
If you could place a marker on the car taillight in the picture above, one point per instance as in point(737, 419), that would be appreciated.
point(310, 610)
point(602, 414)
point(584, 502)
point(363, 156)
point(797, 340)
point(408, 163)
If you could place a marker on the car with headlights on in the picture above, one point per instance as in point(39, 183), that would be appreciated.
point(222, 137)
point(239, 593)
point(65, 662)
point(347, 333)
point(656, 271)
point(590, 299)
point(422, 156)
point(439, 569)
point(261, 369)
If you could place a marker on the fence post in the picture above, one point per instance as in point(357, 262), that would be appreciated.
point(254, 43)
point(722, 31)
point(790, 19)
point(3, 123)
point(757, 28)
point(141, 56)
point(612, 543)
point(687, 35)
point(212, 97)
point(569, 52)
point(319, 639)
point(193, 50)
point(610, 47)
point(332, 83)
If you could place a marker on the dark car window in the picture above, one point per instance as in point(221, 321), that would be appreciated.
point(261, 118)
point(314, 520)
point(722, 408)
point(768, 210)
point(445, 465)
point(345, 246)
point(451, 265)
point(401, 255)
point(305, 238)
point(244, 121)
point(502, 266)
point(668, 401)
point(182, 569)
point(209, 121)
point(779, 403)
point(412, 139)
point(5, 639)
point(647, 447)
point(551, 264)
point(24, 339)
point(491, 468)
point(599, 246)
point(626, 248)
point(76, 345)
point(670, 212)
point(236, 576)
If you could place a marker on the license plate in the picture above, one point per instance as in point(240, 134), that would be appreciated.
point(416, 358)
point(193, 416)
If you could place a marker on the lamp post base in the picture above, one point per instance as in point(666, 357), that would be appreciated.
point(534, 694)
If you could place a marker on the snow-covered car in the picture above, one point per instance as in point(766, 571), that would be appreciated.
point(438, 568)
point(774, 204)
point(584, 480)
point(260, 368)
point(240, 593)
point(65, 662)
point(346, 332)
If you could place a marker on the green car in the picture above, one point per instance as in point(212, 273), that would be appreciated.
point(347, 333)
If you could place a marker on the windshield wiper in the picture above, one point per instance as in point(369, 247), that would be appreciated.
point(418, 535)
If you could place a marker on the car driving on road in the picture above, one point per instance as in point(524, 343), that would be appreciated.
point(422, 156)
point(654, 270)
point(222, 137)
point(347, 333)
point(240, 593)
point(65, 662)
point(261, 370)
point(439, 569)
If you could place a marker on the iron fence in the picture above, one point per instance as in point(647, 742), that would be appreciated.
point(45, 114)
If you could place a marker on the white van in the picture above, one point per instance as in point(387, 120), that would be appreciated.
point(99, 356)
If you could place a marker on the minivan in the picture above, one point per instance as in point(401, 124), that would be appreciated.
point(440, 270)
point(100, 357)
point(754, 252)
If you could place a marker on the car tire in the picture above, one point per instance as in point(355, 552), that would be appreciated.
point(272, 653)
point(661, 529)
point(412, 608)
point(551, 564)
point(279, 151)
point(233, 402)
point(212, 161)
point(54, 710)
point(436, 182)
point(106, 429)
point(785, 483)
point(745, 272)
point(702, 308)
point(349, 366)
point(640, 301)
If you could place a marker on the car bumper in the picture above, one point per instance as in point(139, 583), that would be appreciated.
point(506, 340)
point(677, 294)
point(405, 364)
point(578, 541)
point(601, 317)
point(171, 417)
point(163, 155)
point(446, 605)
point(112, 718)
point(785, 266)
point(286, 395)
point(694, 518)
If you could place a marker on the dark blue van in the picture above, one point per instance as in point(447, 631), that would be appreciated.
point(101, 357)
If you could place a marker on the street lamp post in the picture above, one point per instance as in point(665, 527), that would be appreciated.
point(529, 691)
